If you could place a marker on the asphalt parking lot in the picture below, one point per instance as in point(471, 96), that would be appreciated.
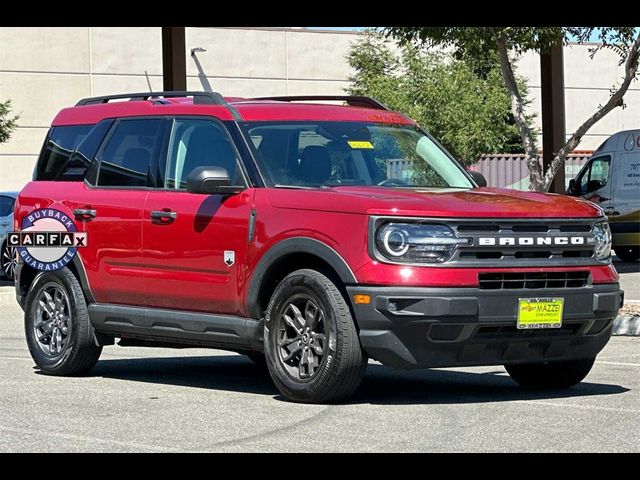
point(629, 280)
point(162, 400)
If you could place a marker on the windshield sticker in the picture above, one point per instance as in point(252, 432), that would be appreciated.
point(360, 144)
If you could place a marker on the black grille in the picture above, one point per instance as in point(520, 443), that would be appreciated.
point(524, 243)
point(532, 280)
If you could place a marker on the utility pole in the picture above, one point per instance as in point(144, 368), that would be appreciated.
point(174, 58)
point(553, 111)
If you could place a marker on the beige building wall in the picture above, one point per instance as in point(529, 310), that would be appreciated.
point(45, 69)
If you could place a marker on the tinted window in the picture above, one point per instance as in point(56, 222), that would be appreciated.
point(126, 160)
point(198, 143)
point(6, 206)
point(76, 167)
point(59, 146)
point(595, 176)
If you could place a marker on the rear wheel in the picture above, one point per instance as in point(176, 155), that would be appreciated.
point(311, 344)
point(551, 374)
point(9, 258)
point(628, 254)
point(59, 334)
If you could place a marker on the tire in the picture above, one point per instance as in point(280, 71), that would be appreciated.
point(551, 375)
point(74, 352)
point(628, 254)
point(7, 257)
point(333, 364)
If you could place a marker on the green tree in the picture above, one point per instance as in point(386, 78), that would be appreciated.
point(463, 104)
point(503, 42)
point(7, 122)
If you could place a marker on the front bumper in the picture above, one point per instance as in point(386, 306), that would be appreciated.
point(415, 327)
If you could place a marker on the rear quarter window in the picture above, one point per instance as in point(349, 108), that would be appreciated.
point(58, 148)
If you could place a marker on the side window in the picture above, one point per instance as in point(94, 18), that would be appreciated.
point(595, 176)
point(127, 158)
point(6, 205)
point(198, 143)
point(76, 167)
point(58, 147)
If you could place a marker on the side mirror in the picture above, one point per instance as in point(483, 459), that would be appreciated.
point(478, 178)
point(211, 180)
point(572, 187)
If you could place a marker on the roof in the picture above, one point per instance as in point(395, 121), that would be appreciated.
point(91, 111)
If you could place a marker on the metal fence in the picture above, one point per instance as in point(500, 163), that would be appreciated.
point(511, 170)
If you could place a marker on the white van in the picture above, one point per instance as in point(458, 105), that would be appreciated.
point(611, 178)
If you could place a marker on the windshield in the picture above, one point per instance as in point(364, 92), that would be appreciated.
point(331, 154)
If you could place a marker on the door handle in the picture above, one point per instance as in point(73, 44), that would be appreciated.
point(4, 224)
point(84, 214)
point(163, 217)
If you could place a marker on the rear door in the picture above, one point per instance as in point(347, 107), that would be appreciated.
point(195, 256)
point(109, 205)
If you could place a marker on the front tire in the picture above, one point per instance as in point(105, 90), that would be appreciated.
point(550, 375)
point(628, 254)
point(59, 333)
point(311, 343)
point(8, 256)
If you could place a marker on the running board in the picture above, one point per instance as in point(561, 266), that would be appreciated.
point(176, 326)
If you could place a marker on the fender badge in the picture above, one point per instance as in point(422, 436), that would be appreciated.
point(229, 257)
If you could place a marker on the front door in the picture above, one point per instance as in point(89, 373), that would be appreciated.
point(594, 181)
point(195, 245)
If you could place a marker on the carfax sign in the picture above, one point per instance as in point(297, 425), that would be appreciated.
point(48, 239)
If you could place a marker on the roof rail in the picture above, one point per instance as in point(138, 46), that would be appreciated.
point(199, 98)
point(351, 100)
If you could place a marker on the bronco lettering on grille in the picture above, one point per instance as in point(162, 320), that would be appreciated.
point(530, 241)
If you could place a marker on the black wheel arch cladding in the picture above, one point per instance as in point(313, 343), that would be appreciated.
point(297, 245)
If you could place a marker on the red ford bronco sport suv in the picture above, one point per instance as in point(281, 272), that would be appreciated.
point(308, 236)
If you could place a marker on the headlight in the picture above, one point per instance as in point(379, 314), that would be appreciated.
point(417, 242)
point(602, 234)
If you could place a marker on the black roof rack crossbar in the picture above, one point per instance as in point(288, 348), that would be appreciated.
point(351, 100)
point(199, 98)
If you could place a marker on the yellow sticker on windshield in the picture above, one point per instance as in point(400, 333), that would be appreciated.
point(360, 144)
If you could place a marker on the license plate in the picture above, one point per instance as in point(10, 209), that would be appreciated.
point(540, 313)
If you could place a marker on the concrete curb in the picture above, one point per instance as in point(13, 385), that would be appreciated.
point(627, 325)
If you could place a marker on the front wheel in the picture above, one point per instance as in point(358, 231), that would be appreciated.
point(628, 254)
point(9, 258)
point(550, 375)
point(311, 344)
point(57, 326)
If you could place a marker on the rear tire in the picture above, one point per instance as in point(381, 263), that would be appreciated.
point(628, 254)
point(59, 333)
point(550, 375)
point(311, 343)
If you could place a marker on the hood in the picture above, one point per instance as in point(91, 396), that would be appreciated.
point(478, 202)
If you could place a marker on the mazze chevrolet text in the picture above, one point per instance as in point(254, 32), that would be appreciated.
point(310, 236)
